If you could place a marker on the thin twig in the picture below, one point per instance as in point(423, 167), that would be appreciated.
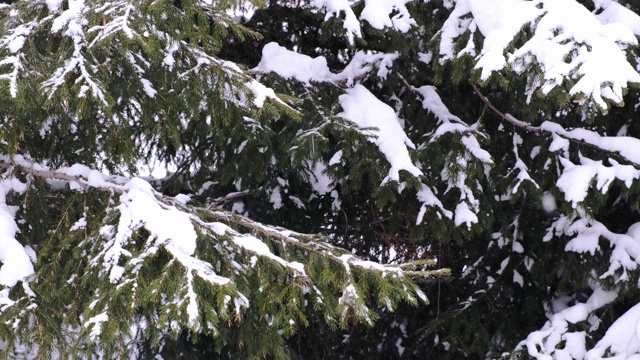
point(405, 81)
point(507, 117)
point(228, 197)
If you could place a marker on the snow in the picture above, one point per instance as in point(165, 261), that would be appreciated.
point(464, 215)
point(336, 158)
point(622, 339)
point(16, 263)
point(320, 181)
point(72, 19)
point(542, 344)
point(290, 64)
point(95, 323)
point(73, 12)
point(520, 166)
point(364, 109)
point(140, 208)
point(500, 21)
point(53, 5)
point(259, 248)
point(548, 202)
point(614, 13)
point(584, 46)
point(336, 7)
point(182, 198)
point(626, 146)
point(428, 198)
point(276, 198)
point(16, 44)
point(575, 180)
point(400, 347)
point(351, 300)
point(148, 88)
point(473, 146)
point(119, 15)
point(376, 12)
point(517, 278)
point(260, 93)
point(452, 28)
point(166, 224)
point(586, 52)
point(80, 224)
point(432, 102)
point(255, 246)
point(487, 14)
point(425, 57)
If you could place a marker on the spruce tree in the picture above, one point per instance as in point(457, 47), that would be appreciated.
point(494, 137)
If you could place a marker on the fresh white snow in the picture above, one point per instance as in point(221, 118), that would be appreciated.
point(365, 110)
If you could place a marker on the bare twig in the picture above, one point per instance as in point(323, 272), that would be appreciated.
point(406, 83)
point(508, 117)
point(222, 199)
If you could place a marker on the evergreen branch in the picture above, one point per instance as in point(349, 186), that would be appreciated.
point(422, 262)
point(31, 168)
point(549, 127)
point(308, 243)
point(428, 274)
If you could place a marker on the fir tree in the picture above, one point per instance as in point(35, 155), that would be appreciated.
point(497, 138)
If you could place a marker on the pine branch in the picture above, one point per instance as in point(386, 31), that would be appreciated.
point(31, 168)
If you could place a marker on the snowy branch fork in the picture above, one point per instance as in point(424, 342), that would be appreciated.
point(555, 129)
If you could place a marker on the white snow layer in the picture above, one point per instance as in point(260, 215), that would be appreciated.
point(622, 339)
point(256, 246)
point(612, 13)
point(378, 13)
point(576, 179)
point(626, 146)
point(544, 344)
point(456, 25)
point(290, 64)
point(364, 109)
point(16, 264)
point(167, 225)
point(53, 5)
point(431, 101)
point(583, 46)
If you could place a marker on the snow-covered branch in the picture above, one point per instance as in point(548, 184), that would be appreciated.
point(143, 227)
point(586, 52)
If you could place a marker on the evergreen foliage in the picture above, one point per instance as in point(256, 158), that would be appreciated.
point(101, 264)
point(492, 138)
